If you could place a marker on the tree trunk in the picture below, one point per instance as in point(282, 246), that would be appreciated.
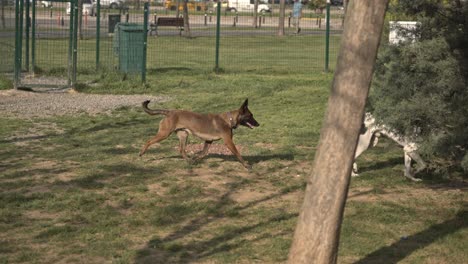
point(187, 32)
point(177, 10)
point(345, 5)
point(281, 18)
point(3, 13)
point(80, 19)
point(255, 14)
point(318, 229)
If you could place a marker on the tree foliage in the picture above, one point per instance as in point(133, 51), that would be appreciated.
point(317, 4)
point(420, 88)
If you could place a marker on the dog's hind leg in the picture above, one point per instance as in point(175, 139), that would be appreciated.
point(204, 152)
point(164, 132)
point(152, 141)
point(183, 136)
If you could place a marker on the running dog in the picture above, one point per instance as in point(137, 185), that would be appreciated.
point(208, 127)
point(369, 136)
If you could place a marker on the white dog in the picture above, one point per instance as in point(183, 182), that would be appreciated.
point(370, 134)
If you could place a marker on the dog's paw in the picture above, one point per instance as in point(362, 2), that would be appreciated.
point(414, 179)
point(411, 175)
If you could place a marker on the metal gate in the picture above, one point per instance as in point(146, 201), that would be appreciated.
point(45, 42)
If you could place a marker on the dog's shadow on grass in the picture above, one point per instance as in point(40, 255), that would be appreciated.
point(407, 245)
point(230, 157)
point(391, 162)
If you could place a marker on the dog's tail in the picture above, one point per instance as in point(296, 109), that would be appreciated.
point(155, 111)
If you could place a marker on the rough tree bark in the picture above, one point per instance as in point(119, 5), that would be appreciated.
point(255, 14)
point(187, 32)
point(178, 10)
point(318, 229)
point(281, 18)
point(4, 2)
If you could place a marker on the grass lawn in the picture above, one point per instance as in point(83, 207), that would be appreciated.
point(237, 53)
point(73, 189)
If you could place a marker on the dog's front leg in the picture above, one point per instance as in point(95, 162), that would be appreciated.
point(354, 171)
point(230, 144)
point(408, 172)
point(421, 165)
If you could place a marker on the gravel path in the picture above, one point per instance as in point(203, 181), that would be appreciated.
point(25, 105)
point(22, 104)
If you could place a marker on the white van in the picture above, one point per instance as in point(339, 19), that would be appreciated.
point(247, 5)
point(45, 4)
point(113, 4)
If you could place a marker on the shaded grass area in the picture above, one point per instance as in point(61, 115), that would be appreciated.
point(5, 83)
point(73, 189)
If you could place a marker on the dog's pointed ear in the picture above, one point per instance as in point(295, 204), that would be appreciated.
point(245, 104)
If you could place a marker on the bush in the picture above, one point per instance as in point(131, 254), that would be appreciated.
point(464, 163)
point(420, 89)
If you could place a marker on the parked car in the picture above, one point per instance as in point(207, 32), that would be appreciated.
point(41, 3)
point(88, 8)
point(114, 4)
point(46, 4)
point(247, 5)
point(192, 5)
point(224, 4)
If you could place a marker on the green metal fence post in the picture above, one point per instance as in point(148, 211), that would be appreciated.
point(218, 22)
point(20, 52)
point(98, 32)
point(33, 40)
point(327, 38)
point(28, 25)
point(75, 42)
point(145, 41)
point(17, 47)
point(70, 44)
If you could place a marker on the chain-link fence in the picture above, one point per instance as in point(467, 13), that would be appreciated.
point(7, 36)
point(248, 40)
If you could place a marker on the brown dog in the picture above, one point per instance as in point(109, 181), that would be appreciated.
point(208, 127)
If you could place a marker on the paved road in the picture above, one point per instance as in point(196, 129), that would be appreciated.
point(52, 26)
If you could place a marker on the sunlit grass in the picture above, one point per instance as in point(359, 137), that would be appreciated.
point(73, 189)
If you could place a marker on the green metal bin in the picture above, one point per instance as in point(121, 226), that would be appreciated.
point(129, 46)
